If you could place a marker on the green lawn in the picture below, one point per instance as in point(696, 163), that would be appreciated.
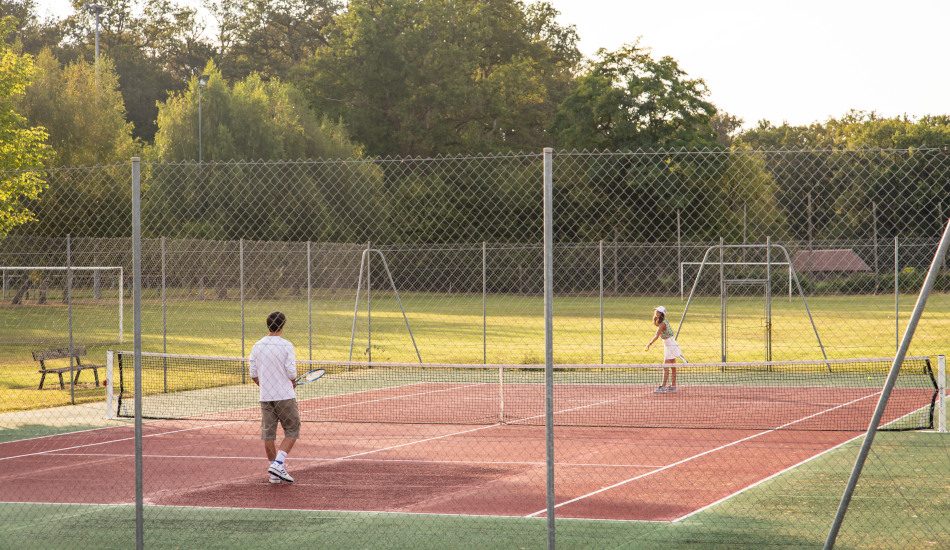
point(448, 328)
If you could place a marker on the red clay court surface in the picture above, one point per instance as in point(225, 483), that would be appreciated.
point(652, 474)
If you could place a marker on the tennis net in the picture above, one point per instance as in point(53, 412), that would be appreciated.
point(835, 395)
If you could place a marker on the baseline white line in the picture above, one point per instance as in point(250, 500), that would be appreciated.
point(776, 474)
point(699, 455)
point(330, 459)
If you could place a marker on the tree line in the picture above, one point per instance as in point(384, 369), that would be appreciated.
point(293, 79)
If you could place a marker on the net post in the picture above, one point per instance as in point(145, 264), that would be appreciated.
point(942, 393)
point(888, 386)
point(549, 337)
point(110, 358)
point(137, 346)
point(121, 305)
point(369, 302)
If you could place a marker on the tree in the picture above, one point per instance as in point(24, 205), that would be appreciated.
point(23, 149)
point(423, 77)
point(626, 99)
point(156, 46)
point(82, 110)
point(269, 37)
point(258, 120)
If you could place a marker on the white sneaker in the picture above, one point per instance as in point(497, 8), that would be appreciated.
point(274, 479)
point(661, 389)
point(280, 472)
point(671, 389)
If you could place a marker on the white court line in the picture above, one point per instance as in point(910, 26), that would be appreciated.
point(699, 455)
point(330, 459)
point(776, 474)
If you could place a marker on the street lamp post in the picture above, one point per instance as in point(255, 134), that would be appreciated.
point(202, 82)
point(96, 10)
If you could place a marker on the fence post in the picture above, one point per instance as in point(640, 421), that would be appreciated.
point(549, 337)
point(484, 303)
point(164, 321)
point(137, 346)
point(897, 297)
point(722, 299)
point(309, 307)
point(679, 252)
point(600, 273)
point(942, 393)
point(241, 283)
point(810, 223)
point(369, 302)
point(69, 315)
point(877, 271)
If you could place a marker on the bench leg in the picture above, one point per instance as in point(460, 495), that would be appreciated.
point(76, 377)
point(62, 386)
point(42, 379)
point(95, 374)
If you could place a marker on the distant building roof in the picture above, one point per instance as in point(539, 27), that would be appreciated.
point(838, 260)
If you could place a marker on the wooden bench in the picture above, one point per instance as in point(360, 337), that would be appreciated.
point(63, 353)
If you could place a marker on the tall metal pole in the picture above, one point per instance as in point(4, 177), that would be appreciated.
point(309, 307)
point(768, 298)
point(888, 386)
point(722, 299)
point(200, 152)
point(679, 251)
point(69, 314)
point(600, 273)
point(484, 303)
point(874, 235)
point(810, 222)
point(164, 323)
point(897, 296)
point(137, 346)
point(369, 302)
point(241, 282)
point(549, 336)
point(96, 10)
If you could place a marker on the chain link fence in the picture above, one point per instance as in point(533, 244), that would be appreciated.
point(788, 278)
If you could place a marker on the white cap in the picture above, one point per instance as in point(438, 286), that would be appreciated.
point(661, 309)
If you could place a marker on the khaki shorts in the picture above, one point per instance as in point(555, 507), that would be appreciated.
point(286, 413)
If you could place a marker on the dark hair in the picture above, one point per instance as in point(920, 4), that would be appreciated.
point(275, 321)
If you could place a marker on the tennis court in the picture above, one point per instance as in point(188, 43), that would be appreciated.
point(470, 441)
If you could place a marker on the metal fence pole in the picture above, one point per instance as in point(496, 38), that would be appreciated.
point(241, 278)
point(164, 321)
point(768, 298)
point(309, 307)
point(888, 386)
point(810, 222)
point(942, 393)
point(69, 315)
point(722, 299)
point(679, 252)
point(137, 346)
point(549, 337)
point(600, 273)
point(369, 303)
point(484, 303)
point(897, 296)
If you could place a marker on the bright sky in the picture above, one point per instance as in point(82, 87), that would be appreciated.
point(785, 60)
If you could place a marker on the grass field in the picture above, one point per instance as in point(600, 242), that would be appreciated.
point(448, 328)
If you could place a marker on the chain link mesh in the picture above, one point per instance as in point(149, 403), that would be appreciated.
point(385, 261)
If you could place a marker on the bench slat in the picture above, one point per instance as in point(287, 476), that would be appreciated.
point(58, 353)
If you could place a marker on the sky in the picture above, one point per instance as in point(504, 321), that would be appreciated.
point(798, 61)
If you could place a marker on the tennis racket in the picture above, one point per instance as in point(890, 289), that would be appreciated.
point(310, 376)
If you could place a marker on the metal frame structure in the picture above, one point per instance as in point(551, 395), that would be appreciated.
point(724, 283)
point(365, 267)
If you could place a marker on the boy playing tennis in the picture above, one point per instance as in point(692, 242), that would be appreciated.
point(273, 367)
point(671, 350)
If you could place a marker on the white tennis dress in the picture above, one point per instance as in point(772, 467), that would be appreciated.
point(671, 350)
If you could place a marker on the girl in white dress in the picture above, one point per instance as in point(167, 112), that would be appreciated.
point(671, 350)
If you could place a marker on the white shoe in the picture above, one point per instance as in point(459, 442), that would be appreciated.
point(274, 479)
point(280, 472)
point(671, 389)
point(661, 389)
